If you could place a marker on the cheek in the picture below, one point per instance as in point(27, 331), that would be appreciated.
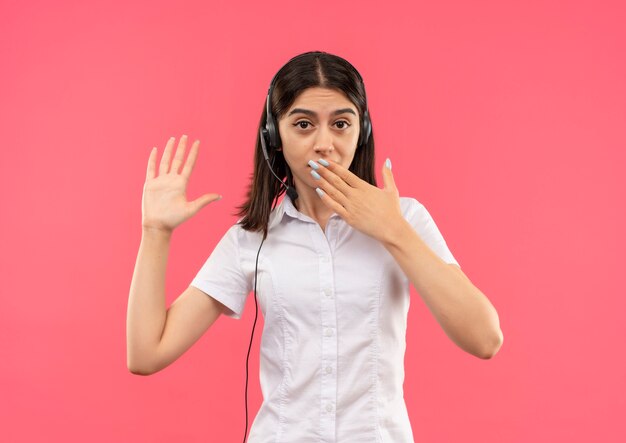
point(293, 144)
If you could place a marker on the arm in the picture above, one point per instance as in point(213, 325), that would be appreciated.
point(462, 310)
point(146, 313)
point(150, 344)
point(156, 337)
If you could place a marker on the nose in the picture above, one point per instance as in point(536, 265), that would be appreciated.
point(324, 141)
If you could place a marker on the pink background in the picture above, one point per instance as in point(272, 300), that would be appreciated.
point(506, 120)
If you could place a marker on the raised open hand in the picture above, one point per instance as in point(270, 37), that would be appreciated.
point(164, 204)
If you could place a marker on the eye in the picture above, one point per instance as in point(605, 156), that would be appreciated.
point(344, 124)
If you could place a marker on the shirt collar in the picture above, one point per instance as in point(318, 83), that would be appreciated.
point(284, 207)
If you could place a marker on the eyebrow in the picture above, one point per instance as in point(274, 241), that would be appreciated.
point(313, 114)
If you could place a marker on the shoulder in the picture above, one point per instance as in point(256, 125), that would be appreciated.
point(410, 207)
point(243, 238)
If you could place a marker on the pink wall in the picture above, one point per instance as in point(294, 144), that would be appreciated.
point(506, 121)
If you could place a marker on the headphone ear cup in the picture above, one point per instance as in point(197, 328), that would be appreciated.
point(274, 137)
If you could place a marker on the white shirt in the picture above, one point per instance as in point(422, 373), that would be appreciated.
point(335, 307)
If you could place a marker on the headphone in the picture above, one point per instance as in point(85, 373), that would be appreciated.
point(269, 136)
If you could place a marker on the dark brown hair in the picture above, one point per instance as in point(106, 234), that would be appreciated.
point(311, 69)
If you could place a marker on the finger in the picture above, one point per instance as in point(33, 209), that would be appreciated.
point(388, 180)
point(332, 204)
point(329, 187)
point(201, 202)
point(347, 176)
point(151, 164)
point(180, 153)
point(191, 159)
point(164, 166)
point(338, 185)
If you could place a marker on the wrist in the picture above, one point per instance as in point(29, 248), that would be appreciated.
point(155, 231)
point(397, 233)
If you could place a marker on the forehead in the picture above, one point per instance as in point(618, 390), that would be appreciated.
point(322, 98)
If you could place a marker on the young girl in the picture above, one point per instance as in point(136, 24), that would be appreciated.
point(330, 263)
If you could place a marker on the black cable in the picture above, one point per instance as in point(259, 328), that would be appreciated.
point(251, 337)
point(292, 194)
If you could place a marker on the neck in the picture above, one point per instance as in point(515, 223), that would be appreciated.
point(311, 205)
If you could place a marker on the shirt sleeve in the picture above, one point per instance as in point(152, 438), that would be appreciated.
point(221, 276)
point(421, 220)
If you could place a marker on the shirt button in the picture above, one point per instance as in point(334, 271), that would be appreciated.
point(329, 369)
point(325, 259)
point(327, 292)
point(329, 407)
point(329, 332)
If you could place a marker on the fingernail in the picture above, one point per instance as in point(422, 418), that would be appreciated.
point(324, 162)
point(388, 164)
point(315, 175)
point(313, 164)
point(319, 191)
